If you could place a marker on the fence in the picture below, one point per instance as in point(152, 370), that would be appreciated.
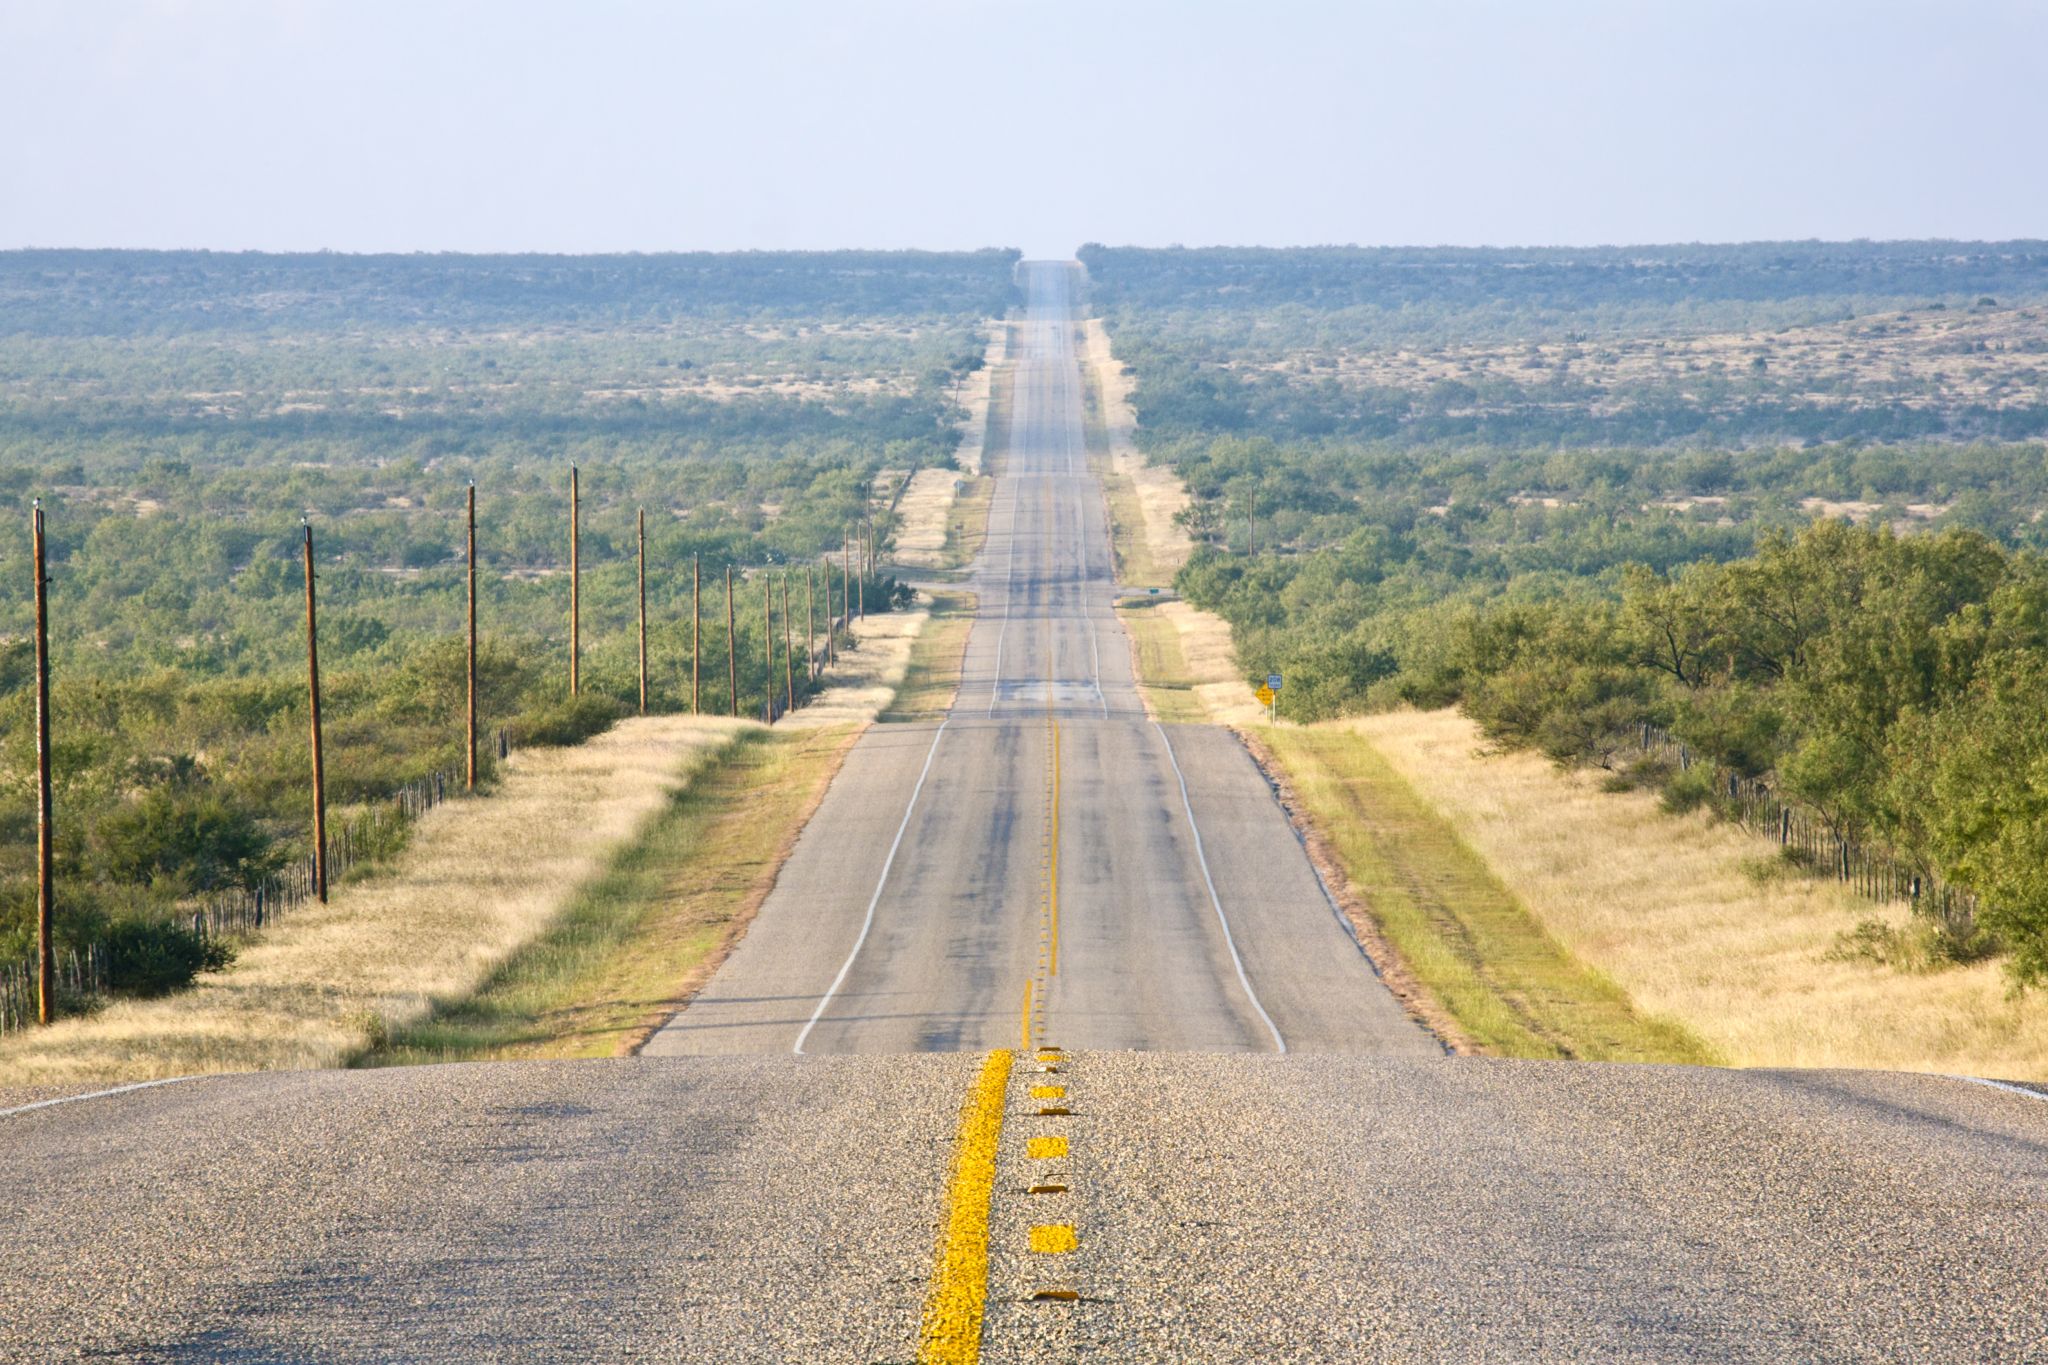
point(78, 974)
point(1876, 873)
point(242, 911)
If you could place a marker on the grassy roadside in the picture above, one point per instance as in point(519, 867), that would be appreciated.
point(1136, 566)
point(1002, 394)
point(652, 926)
point(936, 657)
point(1469, 944)
point(1164, 678)
point(967, 521)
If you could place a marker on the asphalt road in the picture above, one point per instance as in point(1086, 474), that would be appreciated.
point(923, 901)
point(729, 1198)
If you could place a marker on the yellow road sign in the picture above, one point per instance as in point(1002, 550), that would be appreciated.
point(1265, 695)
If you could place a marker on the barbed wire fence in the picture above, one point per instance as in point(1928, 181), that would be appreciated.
point(1872, 871)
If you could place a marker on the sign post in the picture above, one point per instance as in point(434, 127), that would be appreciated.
point(1269, 693)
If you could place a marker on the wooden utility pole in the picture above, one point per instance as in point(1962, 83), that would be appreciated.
point(810, 623)
point(470, 728)
point(788, 663)
point(319, 758)
point(575, 585)
point(46, 946)
point(696, 631)
point(846, 587)
point(768, 648)
point(861, 564)
point(732, 648)
point(642, 532)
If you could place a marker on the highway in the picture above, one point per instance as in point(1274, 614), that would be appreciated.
point(1046, 1047)
point(1174, 910)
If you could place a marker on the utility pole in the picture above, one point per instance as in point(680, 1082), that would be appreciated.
point(575, 586)
point(696, 630)
point(768, 648)
point(846, 588)
point(319, 760)
point(788, 664)
point(46, 947)
point(471, 727)
point(810, 623)
point(732, 647)
point(861, 560)
point(642, 532)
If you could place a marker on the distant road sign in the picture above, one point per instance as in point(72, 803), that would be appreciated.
point(1273, 681)
point(1265, 696)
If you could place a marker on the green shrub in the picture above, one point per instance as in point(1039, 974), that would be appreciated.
point(568, 721)
point(192, 839)
point(156, 956)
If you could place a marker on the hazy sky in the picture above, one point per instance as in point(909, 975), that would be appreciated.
point(582, 125)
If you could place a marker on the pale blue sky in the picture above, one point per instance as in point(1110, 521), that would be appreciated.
point(594, 126)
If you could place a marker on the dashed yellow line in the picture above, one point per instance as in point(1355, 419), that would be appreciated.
point(1053, 1239)
point(959, 1292)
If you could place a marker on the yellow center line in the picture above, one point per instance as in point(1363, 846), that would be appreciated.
point(959, 1292)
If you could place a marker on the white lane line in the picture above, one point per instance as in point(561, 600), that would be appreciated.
point(1279, 1043)
point(876, 899)
point(93, 1095)
point(2006, 1086)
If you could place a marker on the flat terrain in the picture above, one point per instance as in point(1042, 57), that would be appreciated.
point(1224, 1141)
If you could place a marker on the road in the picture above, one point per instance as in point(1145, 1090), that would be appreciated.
point(1229, 1140)
point(929, 894)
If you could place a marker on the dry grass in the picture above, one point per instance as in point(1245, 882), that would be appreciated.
point(1673, 910)
point(1475, 951)
point(1150, 549)
point(1143, 500)
point(636, 942)
point(967, 523)
point(1165, 683)
point(924, 534)
point(931, 676)
point(921, 518)
point(479, 880)
point(864, 676)
point(1002, 393)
